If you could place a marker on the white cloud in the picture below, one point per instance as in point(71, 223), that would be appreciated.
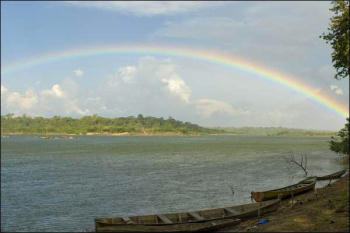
point(337, 90)
point(78, 72)
point(333, 87)
point(127, 73)
point(147, 8)
point(178, 87)
point(155, 87)
point(25, 101)
point(150, 78)
point(209, 107)
point(61, 100)
point(55, 91)
point(53, 101)
point(3, 89)
point(16, 100)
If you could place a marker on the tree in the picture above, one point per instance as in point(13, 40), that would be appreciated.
point(9, 115)
point(341, 143)
point(338, 38)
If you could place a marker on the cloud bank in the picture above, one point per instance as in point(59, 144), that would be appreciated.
point(151, 87)
point(47, 102)
point(146, 8)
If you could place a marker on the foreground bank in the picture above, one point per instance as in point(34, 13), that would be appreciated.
point(326, 209)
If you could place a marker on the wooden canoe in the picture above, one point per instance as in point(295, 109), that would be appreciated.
point(282, 193)
point(332, 176)
point(201, 220)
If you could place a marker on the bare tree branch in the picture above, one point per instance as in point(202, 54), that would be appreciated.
point(302, 163)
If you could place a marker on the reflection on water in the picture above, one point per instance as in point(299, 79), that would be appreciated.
point(62, 185)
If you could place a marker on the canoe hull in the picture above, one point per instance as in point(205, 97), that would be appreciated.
point(335, 175)
point(212, 219)
point(283, 193)
point(186, 227)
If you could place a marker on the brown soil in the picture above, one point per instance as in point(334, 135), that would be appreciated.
point(326, 209)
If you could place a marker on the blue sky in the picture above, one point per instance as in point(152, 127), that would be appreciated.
point(282, 36)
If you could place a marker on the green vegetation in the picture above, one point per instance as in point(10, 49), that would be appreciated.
point(340, 144)
point(338, 37)
point(94, 124)
point(98, 125)
point(276, 131)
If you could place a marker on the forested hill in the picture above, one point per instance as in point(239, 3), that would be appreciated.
point(98, 125)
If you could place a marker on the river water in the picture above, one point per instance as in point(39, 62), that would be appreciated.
point(62, 185)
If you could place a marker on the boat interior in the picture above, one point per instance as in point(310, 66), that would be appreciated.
point(185, 217)
point(301, 184)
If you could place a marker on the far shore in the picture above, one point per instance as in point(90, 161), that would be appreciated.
point(104, 134)
point(152, 134)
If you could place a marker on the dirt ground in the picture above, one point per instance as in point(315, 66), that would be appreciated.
point(323, 210)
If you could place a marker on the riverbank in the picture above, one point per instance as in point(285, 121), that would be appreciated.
point(326, 209)
point(146, 134)
point(104, 134)
point(136, 126)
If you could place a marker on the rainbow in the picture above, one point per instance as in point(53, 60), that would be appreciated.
point(204, 55)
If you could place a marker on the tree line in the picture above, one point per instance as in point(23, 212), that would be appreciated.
point(96, 124)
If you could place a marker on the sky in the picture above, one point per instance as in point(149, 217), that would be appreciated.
point(278, 36)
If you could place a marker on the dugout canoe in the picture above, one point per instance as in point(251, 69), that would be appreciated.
point(201, 220)
point(335, 175)
point(288, 191)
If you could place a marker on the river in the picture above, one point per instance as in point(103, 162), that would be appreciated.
point(62, 185)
